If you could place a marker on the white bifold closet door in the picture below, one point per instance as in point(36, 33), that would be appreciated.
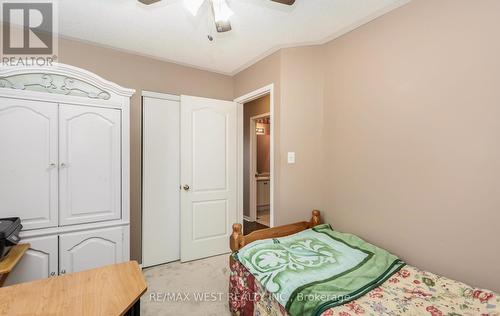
point(160, 181)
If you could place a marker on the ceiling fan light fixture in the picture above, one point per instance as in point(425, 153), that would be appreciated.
point(223, 26)
point(193, 6)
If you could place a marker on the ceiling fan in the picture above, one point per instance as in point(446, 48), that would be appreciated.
point(220, 9)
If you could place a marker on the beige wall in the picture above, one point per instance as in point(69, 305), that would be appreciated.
point(301, 131)
point(412, 113)
point(142, 73)
point(250, 109)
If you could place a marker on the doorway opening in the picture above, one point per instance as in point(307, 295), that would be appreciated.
point(259, 169)
point(256, 116)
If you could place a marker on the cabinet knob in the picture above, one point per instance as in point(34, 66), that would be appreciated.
point(63, 165)
point(63, 271)
point(186, 187)
point(52, 274)
point(52, 165)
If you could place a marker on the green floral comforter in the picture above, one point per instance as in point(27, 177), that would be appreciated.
point(317, 269)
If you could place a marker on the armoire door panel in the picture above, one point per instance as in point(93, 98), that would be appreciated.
point(90, 164)
point(39, 261)
point(90, 249)
point(28, 162)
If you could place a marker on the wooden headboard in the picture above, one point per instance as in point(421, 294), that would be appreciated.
point(237, 240)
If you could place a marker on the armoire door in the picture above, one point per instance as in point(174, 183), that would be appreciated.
point(90, 249)
point(89, 164)
point(28, 162)
point(208, 175)
point(39, 261)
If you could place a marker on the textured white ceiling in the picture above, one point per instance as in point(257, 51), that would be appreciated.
point(167, 31)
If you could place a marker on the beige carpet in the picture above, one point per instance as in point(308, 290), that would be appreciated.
point(193, 288)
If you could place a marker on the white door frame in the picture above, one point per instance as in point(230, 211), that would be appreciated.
point(252, 155)
point(269, 89)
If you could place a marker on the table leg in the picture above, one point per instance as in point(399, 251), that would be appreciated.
point(135, 310)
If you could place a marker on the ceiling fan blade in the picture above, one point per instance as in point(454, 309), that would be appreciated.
point(287, 2)
point(148, 2)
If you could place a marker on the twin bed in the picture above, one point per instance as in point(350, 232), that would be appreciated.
point(308, 268)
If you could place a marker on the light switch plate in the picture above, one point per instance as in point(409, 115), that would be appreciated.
point(291, 157)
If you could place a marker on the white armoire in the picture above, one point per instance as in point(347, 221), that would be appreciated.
point(64, 168)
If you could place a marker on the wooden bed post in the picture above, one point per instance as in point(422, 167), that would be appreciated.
point(315, 219)
point(236, 238)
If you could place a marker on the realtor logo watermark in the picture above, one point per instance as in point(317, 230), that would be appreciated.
point(29, 33)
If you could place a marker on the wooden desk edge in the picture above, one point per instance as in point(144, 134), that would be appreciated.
point(143, 291)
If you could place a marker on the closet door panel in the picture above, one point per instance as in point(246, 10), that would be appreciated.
point(28, 162)
point(91, 249)
point(90, 164)
point(160, 181)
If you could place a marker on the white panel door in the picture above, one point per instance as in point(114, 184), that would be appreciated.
point(28, 162)
point(39, 262)
point(160, 181)
point(90, 249)
point(90, 164)
point(208, 176)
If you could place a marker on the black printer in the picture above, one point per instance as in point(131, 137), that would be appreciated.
point(9, 234)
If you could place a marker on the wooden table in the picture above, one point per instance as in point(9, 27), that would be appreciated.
point(10, 261)
point(111, 291)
